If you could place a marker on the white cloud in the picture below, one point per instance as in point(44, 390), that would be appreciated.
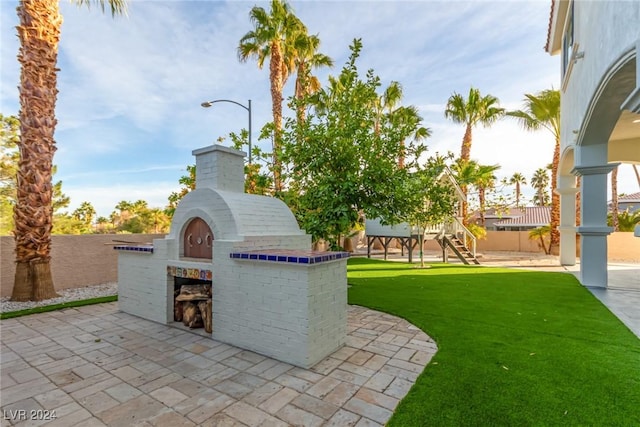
point(131, 87)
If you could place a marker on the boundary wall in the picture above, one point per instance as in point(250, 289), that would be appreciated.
point(83, 260)
point(76, 260)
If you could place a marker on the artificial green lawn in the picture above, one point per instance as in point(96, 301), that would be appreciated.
point(515, 347)
point(46, 308)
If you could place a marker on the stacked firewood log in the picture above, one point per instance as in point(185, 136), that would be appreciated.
point(193, 306)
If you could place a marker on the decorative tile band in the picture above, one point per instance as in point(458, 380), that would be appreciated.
point(189, 273)
point(289, 256)
point(140, 248)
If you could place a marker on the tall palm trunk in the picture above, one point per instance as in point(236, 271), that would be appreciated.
point(481, 199)
point(401, 156)
point(300, 93)
point(275, 71)
point(39, 34)
point(465, 206)
point(517, 194)
point(465, 154)
point(465, 150)
point(554, 244)
point(635, 169)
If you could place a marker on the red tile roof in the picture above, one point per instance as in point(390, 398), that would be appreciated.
point(534, 216)
point(546, 46)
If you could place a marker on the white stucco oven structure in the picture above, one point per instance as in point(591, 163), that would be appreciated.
point(270, 293)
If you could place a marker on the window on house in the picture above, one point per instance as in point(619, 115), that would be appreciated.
point(567, 42)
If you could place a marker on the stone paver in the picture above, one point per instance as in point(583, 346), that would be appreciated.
point(96, 366)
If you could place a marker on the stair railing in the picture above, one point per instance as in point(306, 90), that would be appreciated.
point(458, 229)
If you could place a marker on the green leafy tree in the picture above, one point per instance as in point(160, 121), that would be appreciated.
point(542, 111)
point(103, 225)
point(257, 179)
point(474, 110)
point(39, 34)
point(138, 217)
point(64, 223)
point(273, 36)
point(188, 183)
point(85, 213)
point(9, 158)
point(428, 200)
point(342, 166)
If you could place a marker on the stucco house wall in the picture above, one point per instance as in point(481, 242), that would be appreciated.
point(603, 41)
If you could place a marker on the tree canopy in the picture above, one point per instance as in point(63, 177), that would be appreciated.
point(346, 163)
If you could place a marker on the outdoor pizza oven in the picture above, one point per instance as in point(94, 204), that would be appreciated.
point(238, 267)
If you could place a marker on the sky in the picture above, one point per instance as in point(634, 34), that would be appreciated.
point(129, 112)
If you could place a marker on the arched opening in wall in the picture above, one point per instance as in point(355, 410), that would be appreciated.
point(198, 240)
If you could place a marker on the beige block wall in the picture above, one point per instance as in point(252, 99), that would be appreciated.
point(76, 261)
point(512, 241)
point(623, 247)
point(90, 259)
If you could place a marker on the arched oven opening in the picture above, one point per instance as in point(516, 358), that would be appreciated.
point(198, 240)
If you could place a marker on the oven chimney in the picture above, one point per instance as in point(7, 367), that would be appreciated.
point(220, 168)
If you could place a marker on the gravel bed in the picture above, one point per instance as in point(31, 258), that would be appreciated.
point(66, 295)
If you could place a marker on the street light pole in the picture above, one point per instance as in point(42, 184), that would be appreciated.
point(208, 104)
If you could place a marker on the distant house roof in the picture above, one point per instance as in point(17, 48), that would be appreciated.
point(535, 216)
point(629, 198)
point(493, 213)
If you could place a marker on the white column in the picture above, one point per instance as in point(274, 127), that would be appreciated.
point(594, 229)
point(567, 221)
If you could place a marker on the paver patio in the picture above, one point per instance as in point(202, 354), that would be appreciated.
point(95, 366)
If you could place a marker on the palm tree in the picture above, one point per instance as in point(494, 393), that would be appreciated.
point(39, 35)
point(540, 181)
point(305, 59)
point(273, 37)
point(465, 174)
point(518, 179)
point(474, 110)
point(484, 179)
point(409, 117)
point(614, 199)
point(542, 111)
point(539, 234)
point(386, 105)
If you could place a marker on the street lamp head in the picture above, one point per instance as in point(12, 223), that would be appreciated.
point(207, 104)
